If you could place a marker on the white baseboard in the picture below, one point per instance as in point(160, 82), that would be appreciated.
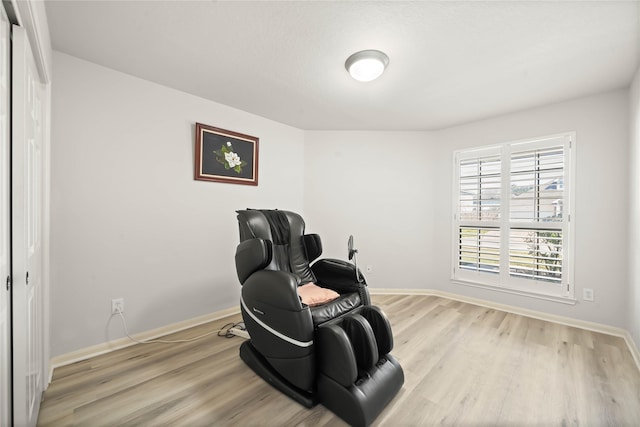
point(568, 321)
point(633, 348)
point(96, 350)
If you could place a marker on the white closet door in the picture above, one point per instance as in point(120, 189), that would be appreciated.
point(26, 225)
point(5, 250)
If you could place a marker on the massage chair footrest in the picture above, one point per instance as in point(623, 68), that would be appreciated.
point(360, 403)
point(260, 366)
point(357, 377)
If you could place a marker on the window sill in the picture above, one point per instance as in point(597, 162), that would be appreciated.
point(514, 291)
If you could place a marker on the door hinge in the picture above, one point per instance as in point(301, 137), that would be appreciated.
point(8, 282)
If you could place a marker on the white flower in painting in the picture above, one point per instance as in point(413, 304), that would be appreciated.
point(228, 143)
point(232, 159)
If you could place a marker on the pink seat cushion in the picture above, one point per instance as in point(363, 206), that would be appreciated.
point(312, 294)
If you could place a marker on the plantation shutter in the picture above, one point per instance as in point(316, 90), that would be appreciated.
point(479, 195)
point(479, 212)
point(512, 224)
point(480, 249)
point(536, 213)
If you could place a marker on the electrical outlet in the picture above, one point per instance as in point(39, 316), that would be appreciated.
point(117, 305)
point(587, 294)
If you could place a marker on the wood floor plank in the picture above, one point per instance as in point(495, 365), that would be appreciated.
point(465, 365)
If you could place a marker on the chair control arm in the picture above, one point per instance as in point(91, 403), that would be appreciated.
point(338, 275)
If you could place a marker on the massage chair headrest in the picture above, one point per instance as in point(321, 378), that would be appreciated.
point(252, 255)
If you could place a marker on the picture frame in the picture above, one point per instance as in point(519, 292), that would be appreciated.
point(225, 156)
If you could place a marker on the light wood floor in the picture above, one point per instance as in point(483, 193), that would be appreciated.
point(464, 365)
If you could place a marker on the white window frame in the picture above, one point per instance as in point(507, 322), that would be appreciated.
point(503, 279)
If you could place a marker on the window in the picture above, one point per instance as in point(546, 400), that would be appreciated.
point(512, 222)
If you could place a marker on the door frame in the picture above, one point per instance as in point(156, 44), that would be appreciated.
point(6, 352)
point(26, 232)
point(31, 15)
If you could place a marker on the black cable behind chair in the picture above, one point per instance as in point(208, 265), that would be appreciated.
point(336, 353)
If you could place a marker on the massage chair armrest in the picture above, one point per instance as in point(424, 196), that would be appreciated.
point(338, 275)
point(278, 289)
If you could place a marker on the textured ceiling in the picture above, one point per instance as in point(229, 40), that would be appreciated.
point(450, 62)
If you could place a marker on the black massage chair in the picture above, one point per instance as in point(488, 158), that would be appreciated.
point(336, 353)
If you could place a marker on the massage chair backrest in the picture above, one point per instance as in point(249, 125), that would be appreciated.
point(273, 240)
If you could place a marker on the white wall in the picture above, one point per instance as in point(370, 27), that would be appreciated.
point(127, 218)
point(634, 215)
point(393, 191)
point(378, 186)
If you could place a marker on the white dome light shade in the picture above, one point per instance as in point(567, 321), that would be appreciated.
point(366, 65)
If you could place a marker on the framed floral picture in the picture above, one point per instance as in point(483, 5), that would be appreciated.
point(225, 156)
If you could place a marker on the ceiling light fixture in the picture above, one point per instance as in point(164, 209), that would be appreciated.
point(366, 65)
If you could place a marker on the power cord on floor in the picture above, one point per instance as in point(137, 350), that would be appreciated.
point(225, 329)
